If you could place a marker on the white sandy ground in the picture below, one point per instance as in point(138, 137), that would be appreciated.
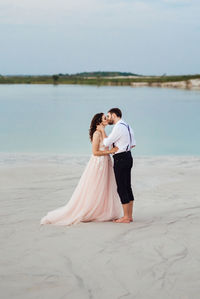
point(157, 256)
point(187, 84)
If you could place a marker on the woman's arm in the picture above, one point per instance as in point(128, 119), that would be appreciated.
point(95, 146)
point(112, 138)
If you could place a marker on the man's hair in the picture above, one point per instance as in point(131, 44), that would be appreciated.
point(117, 111)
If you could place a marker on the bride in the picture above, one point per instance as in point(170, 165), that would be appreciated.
point(95, 198)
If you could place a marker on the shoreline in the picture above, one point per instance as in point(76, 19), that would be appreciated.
point(174, 85)
point(181, 82)
point(189, 84)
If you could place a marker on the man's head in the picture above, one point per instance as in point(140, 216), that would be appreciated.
point(113, 115)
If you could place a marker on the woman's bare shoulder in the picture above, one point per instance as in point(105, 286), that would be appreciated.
point(97, 133)
point(96, 137)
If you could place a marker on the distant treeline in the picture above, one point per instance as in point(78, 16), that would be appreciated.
point(93, 78)
point(102, 74)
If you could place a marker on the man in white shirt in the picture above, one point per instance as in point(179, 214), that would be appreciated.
point(122, 136)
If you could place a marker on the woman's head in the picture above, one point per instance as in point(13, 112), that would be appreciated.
point(97, 119)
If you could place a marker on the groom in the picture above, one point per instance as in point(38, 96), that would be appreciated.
point(122, 136)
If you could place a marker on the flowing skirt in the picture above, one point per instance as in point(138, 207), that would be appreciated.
point(95, 198)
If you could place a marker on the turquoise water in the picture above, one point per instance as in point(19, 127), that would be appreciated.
point(56, 119)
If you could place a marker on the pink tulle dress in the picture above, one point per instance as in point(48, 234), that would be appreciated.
point(95, 198)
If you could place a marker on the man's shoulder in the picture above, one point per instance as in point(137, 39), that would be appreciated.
point(125, 125)
point(122, 123)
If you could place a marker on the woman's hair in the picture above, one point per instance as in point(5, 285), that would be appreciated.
point(97, 119)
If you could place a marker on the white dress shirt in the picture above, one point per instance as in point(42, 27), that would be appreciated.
point(120, 137)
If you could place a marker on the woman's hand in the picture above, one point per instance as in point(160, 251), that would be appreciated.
point(114, 150)
point(100, 128)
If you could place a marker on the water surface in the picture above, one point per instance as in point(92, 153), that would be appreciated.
point(56, 119)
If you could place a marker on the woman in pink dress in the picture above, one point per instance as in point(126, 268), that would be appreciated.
point(95, 198)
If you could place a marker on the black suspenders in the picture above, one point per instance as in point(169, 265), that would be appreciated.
point(129, 136)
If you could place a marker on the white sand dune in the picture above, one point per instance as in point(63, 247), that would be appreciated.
point(156, 256)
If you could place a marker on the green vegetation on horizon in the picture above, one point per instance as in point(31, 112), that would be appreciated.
point(103, 74)
point(93, 78)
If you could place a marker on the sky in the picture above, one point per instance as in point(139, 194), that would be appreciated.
point(149, 37)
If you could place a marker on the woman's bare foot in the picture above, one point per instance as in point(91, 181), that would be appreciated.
point(122, 220)
point(131, 219)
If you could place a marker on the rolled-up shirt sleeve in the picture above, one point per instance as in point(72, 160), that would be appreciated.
point(133, 141)
point(113, 137)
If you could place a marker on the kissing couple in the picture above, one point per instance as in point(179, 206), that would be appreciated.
point(104, 191)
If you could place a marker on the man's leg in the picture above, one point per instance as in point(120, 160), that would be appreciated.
point(130, 210)
point(121, 180)
point(131, 196)
point(125, 218)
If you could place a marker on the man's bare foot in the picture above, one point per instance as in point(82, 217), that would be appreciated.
point(122, 220)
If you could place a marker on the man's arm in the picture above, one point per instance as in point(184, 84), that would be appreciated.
point(95, 146)
point(108, 141)
point(133, 141)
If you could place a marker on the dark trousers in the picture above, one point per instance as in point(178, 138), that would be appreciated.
point(123, 163)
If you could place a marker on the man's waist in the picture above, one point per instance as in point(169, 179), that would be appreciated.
point(122, 147)
point(125, 153)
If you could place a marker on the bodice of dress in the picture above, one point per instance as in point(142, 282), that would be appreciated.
point(101, 146)
point(101, 160)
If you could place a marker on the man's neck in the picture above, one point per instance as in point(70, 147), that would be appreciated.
point(116, 120)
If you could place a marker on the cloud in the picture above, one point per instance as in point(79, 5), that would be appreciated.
point(145, 36)
point(45, 11)
point(87, 12)
point(181, 2)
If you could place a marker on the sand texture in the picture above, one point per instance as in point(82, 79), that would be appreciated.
point(156, 256)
